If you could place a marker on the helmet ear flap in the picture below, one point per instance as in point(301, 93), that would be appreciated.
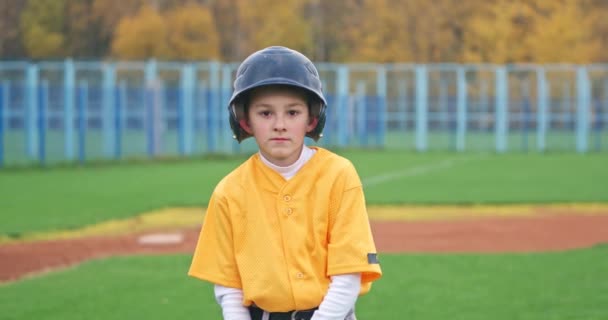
point(237, 112)
point(317, 132)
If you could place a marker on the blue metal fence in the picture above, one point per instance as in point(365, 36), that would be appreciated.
point(75, 111)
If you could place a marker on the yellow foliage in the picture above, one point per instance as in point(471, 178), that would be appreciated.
point(382, 36)
point(184, 33)
point(192, 33)
point(142, 36)
point(563, 35)
point(511, 31)
point(599, 28)
point(422, 31)
point(265, 23)
point(409, 31)
point(40, 43)
point(109, 13)
point(41, 28)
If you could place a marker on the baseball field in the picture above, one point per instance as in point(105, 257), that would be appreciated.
point(460, 236)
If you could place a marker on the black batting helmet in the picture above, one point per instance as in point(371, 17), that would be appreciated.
point(276, 66)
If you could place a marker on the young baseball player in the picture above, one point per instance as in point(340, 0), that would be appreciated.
point(286, 234)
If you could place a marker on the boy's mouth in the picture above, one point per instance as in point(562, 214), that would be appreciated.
point(279, 139)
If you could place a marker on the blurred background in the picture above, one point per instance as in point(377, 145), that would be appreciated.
point(467, 31)
point(113, 79)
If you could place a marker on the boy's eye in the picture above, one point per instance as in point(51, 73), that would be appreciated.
point(265, 113)
point(293, 112)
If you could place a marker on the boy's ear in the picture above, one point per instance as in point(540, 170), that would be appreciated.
point(245, 126)
point(313, 124)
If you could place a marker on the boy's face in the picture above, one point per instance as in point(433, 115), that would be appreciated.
point(278, 118)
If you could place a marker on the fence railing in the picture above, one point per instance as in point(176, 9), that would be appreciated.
point(68, 111)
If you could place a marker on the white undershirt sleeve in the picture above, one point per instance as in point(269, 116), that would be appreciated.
point(340, 298)
point(231, 301)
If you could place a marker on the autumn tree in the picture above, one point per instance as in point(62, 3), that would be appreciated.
point(42, 28)
point(501, 31)
point(82, 30)
point(192, 33)
point(597, 11)
point(10, 35)
point(379, 33)
point(108, 14)
point(227, 26)
point(408, 31)
point(562, 33)
point(332, 24)
point(267, 22)
point(142, 36)
point(530, 31)
point(451, 23)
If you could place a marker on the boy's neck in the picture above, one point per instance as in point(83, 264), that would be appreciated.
point(289, 171)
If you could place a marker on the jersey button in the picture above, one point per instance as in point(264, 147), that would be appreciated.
point(286, 198)
point(289, 211)
point(299, 275)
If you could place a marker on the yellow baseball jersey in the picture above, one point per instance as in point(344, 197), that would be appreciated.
point(280, 240)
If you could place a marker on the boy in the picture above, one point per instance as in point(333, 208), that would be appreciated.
point(286, 234)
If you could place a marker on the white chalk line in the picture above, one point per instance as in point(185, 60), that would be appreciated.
point(161, 239)
point(412, 171)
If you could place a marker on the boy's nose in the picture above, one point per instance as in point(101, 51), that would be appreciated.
point(279, 124)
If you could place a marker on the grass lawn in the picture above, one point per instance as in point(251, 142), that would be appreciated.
point(37, 199)
point(562, 285)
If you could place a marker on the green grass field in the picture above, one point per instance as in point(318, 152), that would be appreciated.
point(564, 285)
point(69, 197)
point(134, 144)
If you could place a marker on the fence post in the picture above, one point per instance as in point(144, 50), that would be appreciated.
point(214, 106)
point(566, 106)
point(402, 104)
point(583, 94)
point(6, 84)
point(596, 123)
point(381, 93)
point(3, 93)
point(186, 115)
point(31, 114)
point(107, 100)
point(361, 113)
point(526, 112)
point(43, 102)
point(341, 103)
point(484, 105)
point(501, 109)
point(152, 86)
point(69, 75)
point(421, 107)
point(230, 145)
point(601, 118)
point(461, 107)
point(119, 114)
point(542, 96)
point(82, 102)
point(202, 113)
point(443, 104)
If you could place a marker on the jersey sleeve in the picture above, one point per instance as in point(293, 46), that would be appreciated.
point(351, 247)
point(213, 258)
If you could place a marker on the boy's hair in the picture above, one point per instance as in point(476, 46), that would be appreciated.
point(276, 66)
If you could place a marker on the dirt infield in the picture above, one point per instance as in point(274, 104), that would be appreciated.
point(485, 235)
